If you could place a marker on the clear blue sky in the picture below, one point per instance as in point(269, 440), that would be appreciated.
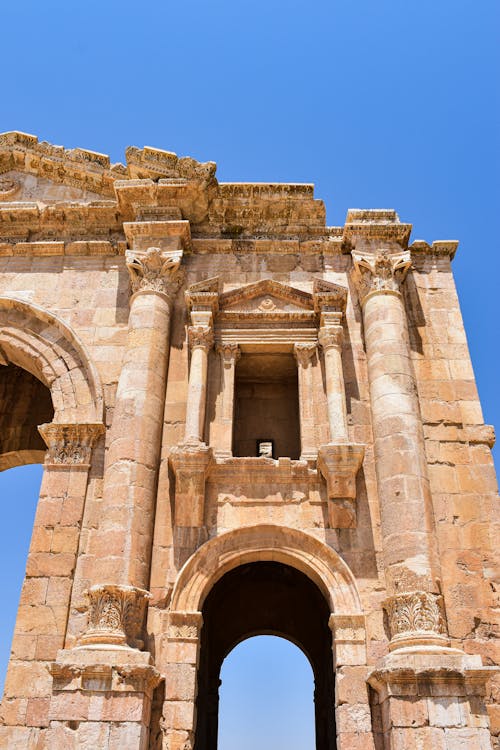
point(381, 104)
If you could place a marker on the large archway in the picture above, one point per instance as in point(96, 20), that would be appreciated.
point(265, 598)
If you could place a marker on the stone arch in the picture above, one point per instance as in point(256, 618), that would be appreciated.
point(43, 344)
point(266, 542)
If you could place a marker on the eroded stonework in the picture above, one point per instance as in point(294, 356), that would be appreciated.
point(235, 397)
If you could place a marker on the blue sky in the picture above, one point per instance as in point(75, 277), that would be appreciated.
point(381, 104)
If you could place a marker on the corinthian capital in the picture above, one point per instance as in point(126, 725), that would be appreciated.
point(154, 270)
point(69, 444)
point(230, 354)
point(331, 336)
point(382, 272)
point(201, 336)
point(304, 353)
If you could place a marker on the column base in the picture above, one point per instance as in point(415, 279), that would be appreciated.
point(432, 697)
point(339, 464)
point(101, 698)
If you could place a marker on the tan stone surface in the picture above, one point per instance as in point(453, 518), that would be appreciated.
point(165, 322)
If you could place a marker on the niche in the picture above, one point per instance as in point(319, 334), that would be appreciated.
point(266, 406)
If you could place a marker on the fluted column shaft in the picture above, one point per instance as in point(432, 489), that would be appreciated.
point(126, 527)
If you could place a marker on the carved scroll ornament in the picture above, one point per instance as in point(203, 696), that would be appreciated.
point(154, 271)
point(116, 615)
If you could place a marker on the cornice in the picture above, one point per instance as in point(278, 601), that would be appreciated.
point(439, 248)
point(374, 224)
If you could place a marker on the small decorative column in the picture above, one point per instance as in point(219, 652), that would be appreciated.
point(190, 460)
point(201, 340)
point(339, 461)
point(304, 354)
point(126, 527)
point(331, 335)
point(229, 355)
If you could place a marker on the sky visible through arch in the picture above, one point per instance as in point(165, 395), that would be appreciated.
point(383, 104)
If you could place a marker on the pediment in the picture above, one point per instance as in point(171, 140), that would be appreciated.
point(266, 297)
point(23, 187)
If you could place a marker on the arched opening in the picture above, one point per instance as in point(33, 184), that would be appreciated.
point(19, 490)
point(25, 402)
point(265, 598)
point(266, 697)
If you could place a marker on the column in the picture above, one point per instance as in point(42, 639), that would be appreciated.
point(191, 459)
point(304, 354)
point(125, 532)
point(229, 355)
point(405, 501)
point(331, 335)
point(201, 340)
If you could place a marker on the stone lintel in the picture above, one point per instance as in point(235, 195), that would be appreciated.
point(249, 469)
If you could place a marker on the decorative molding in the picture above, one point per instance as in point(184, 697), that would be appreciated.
point(184, 626)
point(374, 224)
point(69, 444)
point(415, 616)
point(116, 615)
point(203, 296)
point(8, 187)
point(382, 272)
point(200, 336)
point(440, 248)
point(154, 271)
point(329, 297)
point(304, 352)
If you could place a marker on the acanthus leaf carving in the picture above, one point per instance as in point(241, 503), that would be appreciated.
point(201, 336)
point(155, 271)
point(69, 444)
point(383, 271)
point(304, 352)
point(116, 615)
point(413, 613)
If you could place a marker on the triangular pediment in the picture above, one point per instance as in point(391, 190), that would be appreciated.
point(266, 296)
